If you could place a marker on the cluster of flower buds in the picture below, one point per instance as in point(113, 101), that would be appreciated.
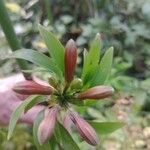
point(47, 125)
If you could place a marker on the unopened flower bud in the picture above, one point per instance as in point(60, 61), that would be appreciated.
point(84, 128)
point(70, 60)
point(76, 83)
point(96, 92)
point(53, 81)
point(47, 125)
point(31, 87)
point(67, 122)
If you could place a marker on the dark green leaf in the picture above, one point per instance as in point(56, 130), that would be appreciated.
point(37, 69)
point(35, 101)
point(64, 138)
point(106, 127)
point(2, 136)
point(104, 68)
point(91, 61)
point(76, 102)
point(54, 46)
point(36, 124)
point(36, 58)
point(17, 113)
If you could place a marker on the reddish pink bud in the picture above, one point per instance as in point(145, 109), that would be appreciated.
point(46, 127)
point(70, 60)
point(96, 92)
point(67, 122)
point(85, 130)
point(31, 87)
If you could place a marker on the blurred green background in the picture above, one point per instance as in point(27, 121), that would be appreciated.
point(124, 24)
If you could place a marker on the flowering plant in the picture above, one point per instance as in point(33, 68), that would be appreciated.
point(53, 125)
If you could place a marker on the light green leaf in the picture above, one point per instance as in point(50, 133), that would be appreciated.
point(104, 68)
point(91, 61)
point(106, 127)
point(2, 137)
point(17, 113)
point(64, 138)
point(36, 58)
point(36, 124)
point(54, 46)
point(37, 69)
point(35, 101)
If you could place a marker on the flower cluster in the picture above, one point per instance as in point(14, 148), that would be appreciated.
point(60, 99)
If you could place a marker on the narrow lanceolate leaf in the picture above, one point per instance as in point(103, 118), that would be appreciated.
point(35, 101)
point(70, 60)
point(54, 46)
point(97, 92)
point(104, 68)
point(106, 127)
point(37, 69)
point(91, 60)
point(17, 113)
point(36, 124)
point(36, 58)
point(64, 139)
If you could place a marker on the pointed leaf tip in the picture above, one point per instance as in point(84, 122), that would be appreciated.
point(98, 36)
point(104, 68)
point(54, 46)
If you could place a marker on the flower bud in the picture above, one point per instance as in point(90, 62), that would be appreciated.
point(67, 122)
point(70, 60)
point(53, 81)
point(76, 84)
point(47, 125)
point(84, 128)
point(96, 92)
point(31, 87)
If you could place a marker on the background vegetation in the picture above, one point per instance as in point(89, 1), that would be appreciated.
point(123, 24)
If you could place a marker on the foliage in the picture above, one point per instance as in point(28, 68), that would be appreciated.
point(103, 66)
point(125, 25)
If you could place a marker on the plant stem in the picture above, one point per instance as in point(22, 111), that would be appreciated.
point(66, 87)
point(48, 11)
point(11, 37)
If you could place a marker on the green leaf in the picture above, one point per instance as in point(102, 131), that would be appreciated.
point(36, 58)
point(64, 138)
point(104, 68)
point(76, 102)
point(54, 46)
point(17, 113)
point(36, 124)
point(2, 137)
point(106, 127)
point(91, 61)
point(35, 101)
point(37, 69)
